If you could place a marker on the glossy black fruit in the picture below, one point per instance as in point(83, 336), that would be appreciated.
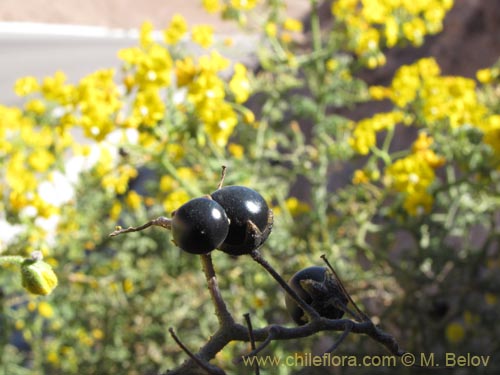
point(318, 288)
point(250, 219)
point(199, 226)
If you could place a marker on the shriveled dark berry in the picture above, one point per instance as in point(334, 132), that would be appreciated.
point(318, 288)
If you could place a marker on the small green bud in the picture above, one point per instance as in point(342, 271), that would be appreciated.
point(38, 276)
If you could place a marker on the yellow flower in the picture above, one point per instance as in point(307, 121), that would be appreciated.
point(391, 31)
point(360, 177)
point(203, 35)
point(249, 117)
point(296, 207)
point(41, 160)
point(379, 92)
point(240, 84)
point(115, 211)
point(55, 89)
point(45, 310)
point(484, 76)
point(36, 106)
point(25, 86)
point(455, 332)
point(363, 138)
point(133, 200)
point(177, 29)
point(243, 4)
point(413, 175)
point(53, 357)
point(97, 334)
point(128, 286)
point(364, 134)
point(219, 122)
point(174, 200)
point(211, 6)
point(271, 29)
point(414, 31)
point(146, 34)
point(213, 63)
point(150, 65)
point(148, 108)
point(292, 24)
point(185, 71)
point(236, 150)
point(418, 203)
point(332, 65)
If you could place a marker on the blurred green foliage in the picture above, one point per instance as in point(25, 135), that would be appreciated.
point(413, 229)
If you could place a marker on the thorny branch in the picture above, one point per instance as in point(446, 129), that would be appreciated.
point(229, 330)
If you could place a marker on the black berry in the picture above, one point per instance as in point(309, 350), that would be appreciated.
point(318, 288)
point(250, 219)
point(199, 226)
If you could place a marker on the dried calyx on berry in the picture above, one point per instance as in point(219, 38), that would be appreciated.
point(250, 218)
point(318, 287)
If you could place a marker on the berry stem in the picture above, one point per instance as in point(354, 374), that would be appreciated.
point(222, 177)
point(257, 256)
point(161, 221)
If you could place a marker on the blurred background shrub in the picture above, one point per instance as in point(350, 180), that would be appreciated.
point(404, 202)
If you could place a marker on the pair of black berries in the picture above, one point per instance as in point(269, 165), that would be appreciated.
point(237, 220)
point(234, 219)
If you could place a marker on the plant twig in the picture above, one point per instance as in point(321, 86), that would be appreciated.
point(223, 315)
point(362, 316)
point(161, 221)
point(252, 339)
point(209, 369)
point(344, 334)
point(272, 331)
point(257, 256)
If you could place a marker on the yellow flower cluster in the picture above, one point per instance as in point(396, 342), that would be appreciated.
point(175, 194)
point(29, 153)
point(176, 30)
point(243, 4)
point(155, 83)
point(421, 91)
point(98, 101)
point(364, 134)
point(206, 91)
point(211, 6)
point(439, 97)
point(413, 175)
point(371, 24)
